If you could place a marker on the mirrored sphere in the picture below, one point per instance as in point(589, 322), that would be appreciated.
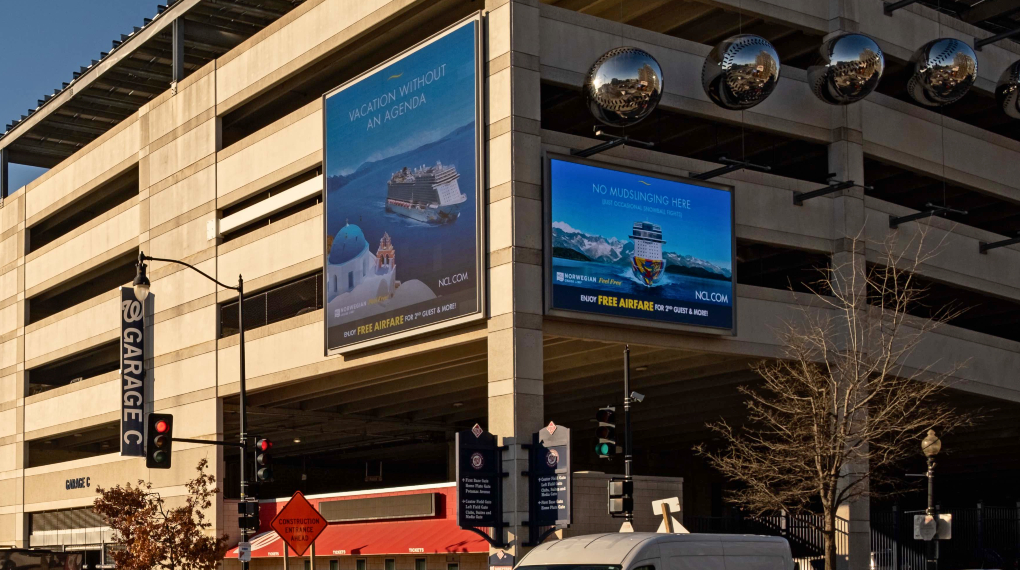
point(740, 72)
point(943, 71)
point(623, 86)
point(1007, 91)
point(850, 68)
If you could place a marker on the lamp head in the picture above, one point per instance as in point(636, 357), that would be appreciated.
point(141, 282)
point(931, 444)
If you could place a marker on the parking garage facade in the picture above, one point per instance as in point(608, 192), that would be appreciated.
point(175, 142)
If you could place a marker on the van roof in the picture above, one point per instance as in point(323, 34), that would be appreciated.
point(618, 548)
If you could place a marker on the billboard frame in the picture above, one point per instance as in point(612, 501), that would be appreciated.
point(481, 193)
point(547, 247)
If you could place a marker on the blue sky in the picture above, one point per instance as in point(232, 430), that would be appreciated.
point(350, 140)
point(44, 41)
point(702, 231)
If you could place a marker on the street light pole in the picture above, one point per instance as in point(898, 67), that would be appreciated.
point(930, 446)
point(141, 286)
point(628, 444)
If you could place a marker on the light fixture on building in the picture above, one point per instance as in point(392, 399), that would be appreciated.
point(641, 369)
point(141, 282)
point(297, 440)
point(458, 404)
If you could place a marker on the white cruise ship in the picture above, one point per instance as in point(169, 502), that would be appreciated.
point(647, 260)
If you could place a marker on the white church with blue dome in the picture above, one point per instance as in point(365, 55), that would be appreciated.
point(352, 265)
point(360, 283)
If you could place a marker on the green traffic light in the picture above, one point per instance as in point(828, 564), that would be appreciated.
point(159, 456)
point(602, 448)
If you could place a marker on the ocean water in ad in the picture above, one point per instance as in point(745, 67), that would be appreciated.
point(401, 194)
point(640, 246)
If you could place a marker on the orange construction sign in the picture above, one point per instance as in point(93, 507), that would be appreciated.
point(298, 524)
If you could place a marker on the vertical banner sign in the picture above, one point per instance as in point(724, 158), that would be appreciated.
point(632, 245)
point(132, 374)
point(479, 480)
point(403, 214)
point(549, 474)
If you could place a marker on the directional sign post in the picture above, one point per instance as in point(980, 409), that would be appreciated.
point(480, 484)
point(549, 481)
point(298, 524)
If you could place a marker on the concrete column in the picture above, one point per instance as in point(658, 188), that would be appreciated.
point(846, 161)
point(513, 149)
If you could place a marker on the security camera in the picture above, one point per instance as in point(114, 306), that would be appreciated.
point(637, 397)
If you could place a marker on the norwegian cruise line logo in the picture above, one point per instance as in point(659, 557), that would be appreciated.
point(574, 277)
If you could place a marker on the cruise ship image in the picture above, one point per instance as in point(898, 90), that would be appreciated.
point(428, 194)
point(647, 260)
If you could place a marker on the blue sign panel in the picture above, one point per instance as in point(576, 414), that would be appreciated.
point(402, 203)
point(132, 374)
point(640, 246)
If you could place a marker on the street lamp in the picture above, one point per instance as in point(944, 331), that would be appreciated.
point(930, 446)
point(141, 287)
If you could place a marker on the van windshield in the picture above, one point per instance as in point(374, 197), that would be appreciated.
point(572, 567)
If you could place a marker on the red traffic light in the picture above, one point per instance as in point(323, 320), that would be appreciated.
point(605, 415)
point(263, 445)
point(162, 426)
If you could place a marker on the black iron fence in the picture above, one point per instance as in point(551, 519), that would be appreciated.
point(804, 532)
point(982, 537)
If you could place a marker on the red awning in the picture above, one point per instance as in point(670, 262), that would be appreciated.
point(436, 536)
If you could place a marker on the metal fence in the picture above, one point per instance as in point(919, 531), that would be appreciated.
point(982, 537)
point(804, 532)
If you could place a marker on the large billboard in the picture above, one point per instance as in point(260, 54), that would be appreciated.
point(629, 245)
point(402, 195)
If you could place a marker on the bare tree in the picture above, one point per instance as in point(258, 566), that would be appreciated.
point(155, 536)
point(848, 401)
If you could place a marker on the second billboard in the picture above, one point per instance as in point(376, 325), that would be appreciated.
point(402, 215)
point(639, 246)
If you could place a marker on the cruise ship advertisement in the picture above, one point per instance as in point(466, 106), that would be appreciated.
point(639, 246)
point(401, 197)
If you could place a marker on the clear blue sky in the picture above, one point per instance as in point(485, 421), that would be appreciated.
point(44, 41)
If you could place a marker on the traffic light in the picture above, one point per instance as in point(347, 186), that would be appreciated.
point(263, 462)
point(605, 433)
point(248, 515)
point(621, 497)
point(159, 433)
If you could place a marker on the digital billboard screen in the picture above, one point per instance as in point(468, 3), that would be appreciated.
point(639, 246)
point(402, 218)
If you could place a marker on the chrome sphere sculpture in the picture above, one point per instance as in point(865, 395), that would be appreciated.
point(623, 86)
point(740, 72)
point(1007, 91)
point(851, 67)
point(944, 70)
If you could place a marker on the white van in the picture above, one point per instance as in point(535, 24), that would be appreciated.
point(651, 551)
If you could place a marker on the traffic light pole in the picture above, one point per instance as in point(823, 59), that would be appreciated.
point(244, 402)
point(628, 446)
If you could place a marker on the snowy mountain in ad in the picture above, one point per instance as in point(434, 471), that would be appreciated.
point(570, 243)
